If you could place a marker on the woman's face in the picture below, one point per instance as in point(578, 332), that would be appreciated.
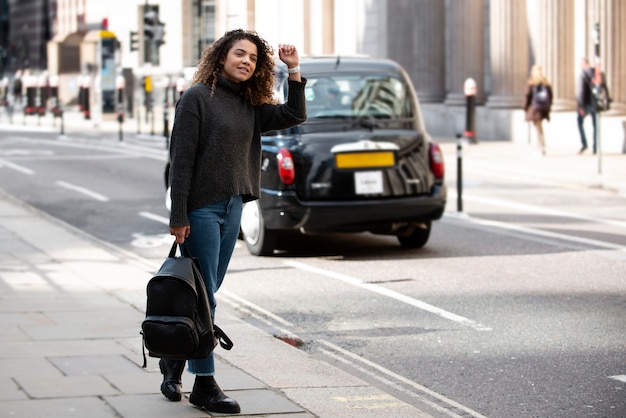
point(240, 61)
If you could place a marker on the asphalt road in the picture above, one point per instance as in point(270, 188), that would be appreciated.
point(515, 308)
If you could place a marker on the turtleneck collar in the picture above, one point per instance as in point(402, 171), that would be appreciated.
point(228, 84)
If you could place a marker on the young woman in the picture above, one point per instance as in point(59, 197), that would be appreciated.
point(538, 102)
point(215, 156)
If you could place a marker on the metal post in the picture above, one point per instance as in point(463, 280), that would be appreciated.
point(61, 116)
point(151, 119)
point(598, 83)
point(120, 84)
point(166, 111)
point(459, 173)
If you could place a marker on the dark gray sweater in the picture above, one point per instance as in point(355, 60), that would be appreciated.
point(215, 147)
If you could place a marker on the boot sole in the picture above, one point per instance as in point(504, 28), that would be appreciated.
point(196, 400)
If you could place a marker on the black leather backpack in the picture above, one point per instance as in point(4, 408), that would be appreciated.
point(178, 323)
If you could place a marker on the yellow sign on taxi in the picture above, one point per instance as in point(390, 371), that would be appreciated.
point(375, 159)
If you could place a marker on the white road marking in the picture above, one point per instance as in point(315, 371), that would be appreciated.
point(151, 241)
point(238, 301)
point(537, 209)
point(24, 170)
point(548, 234)
point(347, 357)
point(621, 378)
point(352, 359)
point(83, 190)
point(15, 152)
point(392, 294)
point(155, 217)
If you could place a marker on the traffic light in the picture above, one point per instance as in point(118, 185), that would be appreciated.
point(153, 28)
point(151, 33)
point(150, 22)
point(134, 41)
point(159, 33)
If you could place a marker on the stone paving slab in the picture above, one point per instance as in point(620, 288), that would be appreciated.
point(96, 364)
point(65, 386)
point(9, 391)
point(92, 407)
point(41, 349)
point(37, 367)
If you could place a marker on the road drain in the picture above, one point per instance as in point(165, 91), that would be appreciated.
point(389, 281)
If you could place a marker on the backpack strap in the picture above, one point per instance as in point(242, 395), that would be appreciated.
point(223, 339)
point(183, 251)
point(143, 350)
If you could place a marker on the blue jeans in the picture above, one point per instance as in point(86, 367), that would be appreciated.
point(594, 120)
point(213, 234)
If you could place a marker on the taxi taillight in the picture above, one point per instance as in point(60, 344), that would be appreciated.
point(436, 160)
point(286, 169)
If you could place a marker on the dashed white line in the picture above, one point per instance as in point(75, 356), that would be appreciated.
point(155, 217)
point(392, 294)
point(83, 190)
point(537, 209)
point(24, 170)
point(538, 232)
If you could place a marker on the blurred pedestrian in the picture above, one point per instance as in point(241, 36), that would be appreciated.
point(538, 102)
point(586, 102)
point(215, 167)
point(17, 88)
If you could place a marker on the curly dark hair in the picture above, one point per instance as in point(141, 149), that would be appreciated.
point(259, 88)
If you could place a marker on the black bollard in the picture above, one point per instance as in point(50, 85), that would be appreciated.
point(120, 84)
point(459, 173)
point(166, 112)
point(61, 116)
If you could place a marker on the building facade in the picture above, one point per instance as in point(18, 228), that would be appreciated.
point(28, 27)
point(441, 43)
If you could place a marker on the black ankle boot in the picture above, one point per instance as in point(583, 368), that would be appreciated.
point(208, 395)
point(172, 371)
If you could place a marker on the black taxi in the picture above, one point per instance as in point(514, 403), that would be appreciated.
point(362, 161)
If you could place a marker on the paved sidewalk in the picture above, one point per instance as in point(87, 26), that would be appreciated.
point(71, 308)
point(561, 166)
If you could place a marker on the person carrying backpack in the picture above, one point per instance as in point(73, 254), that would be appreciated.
point(538, 102)
point(215, 153)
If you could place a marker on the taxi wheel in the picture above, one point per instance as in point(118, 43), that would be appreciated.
point(259, 240)
point(418, 238)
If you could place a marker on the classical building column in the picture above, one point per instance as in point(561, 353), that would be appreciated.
point(508, 40)
point(613, 58)
point(465, 22)
point(551, 33)
point(416, 39)
point(319, 27)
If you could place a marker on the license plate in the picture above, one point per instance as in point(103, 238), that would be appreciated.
point(368, 182)
point(365, 159)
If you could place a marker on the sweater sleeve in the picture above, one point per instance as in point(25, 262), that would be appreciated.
point(283, 116)
point(183, 151)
